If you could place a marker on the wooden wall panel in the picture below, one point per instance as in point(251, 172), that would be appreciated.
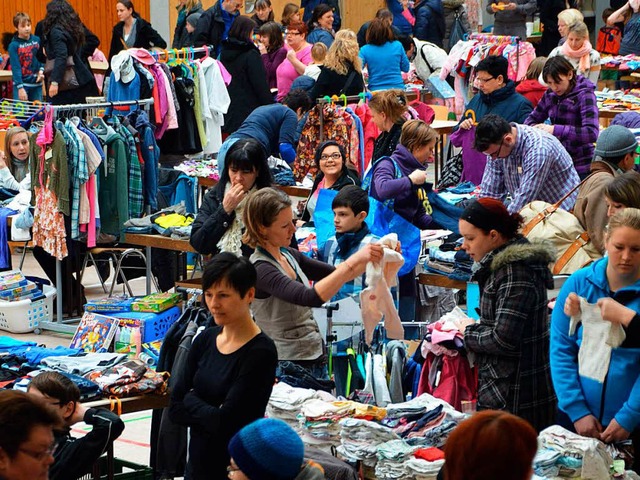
point(98, 15)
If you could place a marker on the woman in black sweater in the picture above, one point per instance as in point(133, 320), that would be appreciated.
point(230, 369)
point(342, 68)
point(132, 31)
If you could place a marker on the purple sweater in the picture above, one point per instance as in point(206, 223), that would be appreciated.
point(574, 117)
point(407, 197)
point(271, 62)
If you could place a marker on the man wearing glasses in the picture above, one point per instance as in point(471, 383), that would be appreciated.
point(74, 457)
point(214, 24)
point(524, 163)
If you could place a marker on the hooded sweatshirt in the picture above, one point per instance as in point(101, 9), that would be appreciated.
point(574, 117)
point(532, 90)
point(410, 201)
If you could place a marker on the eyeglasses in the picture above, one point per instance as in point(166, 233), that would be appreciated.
point(484, 80)
point(289, 32)
point(333, 156)
point(41, 455)
point(495, 154)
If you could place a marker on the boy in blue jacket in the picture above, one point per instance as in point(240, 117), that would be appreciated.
point(26, 69)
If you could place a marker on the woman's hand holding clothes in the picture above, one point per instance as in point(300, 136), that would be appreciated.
point(588, 426)
point(614, 433)
point(233, 197)
point(467, 123)
point(357, 262)
point(418, 177)
point(572, 305)
point(615, 312)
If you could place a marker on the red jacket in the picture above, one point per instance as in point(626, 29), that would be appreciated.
point(532, 90)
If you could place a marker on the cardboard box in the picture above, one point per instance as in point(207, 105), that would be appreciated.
point(156, 302)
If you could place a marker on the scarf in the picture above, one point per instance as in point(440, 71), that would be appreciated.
point(583, 54)
point(231, 241)
point(20, 169)
point(347, 241)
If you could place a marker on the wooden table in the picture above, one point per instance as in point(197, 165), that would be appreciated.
point(131, 404)
point(444, 128)
point(156, 241)
point(437, 280)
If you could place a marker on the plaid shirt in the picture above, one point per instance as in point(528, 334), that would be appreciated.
point(511, 339)
point(136, 200)
point(538, 168)
point(78, 173)
point(332, 257)
point(574, 117)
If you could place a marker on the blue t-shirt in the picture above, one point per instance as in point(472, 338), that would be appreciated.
point(385, 64)
point(631, 38)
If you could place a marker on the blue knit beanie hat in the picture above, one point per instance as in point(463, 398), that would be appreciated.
point(267, 449)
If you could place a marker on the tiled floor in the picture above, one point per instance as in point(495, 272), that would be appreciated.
point(133, 444)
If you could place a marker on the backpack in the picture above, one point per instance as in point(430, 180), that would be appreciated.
point(609, 40)
point(458, 32)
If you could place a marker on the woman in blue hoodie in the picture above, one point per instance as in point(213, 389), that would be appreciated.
point(602, 402)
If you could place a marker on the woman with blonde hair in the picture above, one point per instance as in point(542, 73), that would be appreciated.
point(578, 50)
point(567, 19)
point(341, 72)
point(14, 161)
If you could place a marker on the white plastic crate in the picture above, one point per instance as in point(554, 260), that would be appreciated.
point(24, 316)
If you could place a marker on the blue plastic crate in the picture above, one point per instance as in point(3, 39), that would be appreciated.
point(155, 325)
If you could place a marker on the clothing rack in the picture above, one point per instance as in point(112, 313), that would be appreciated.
point(60, 325)
point(185, 53)
point(20, 111)
point(487, 38)
point(415, 94)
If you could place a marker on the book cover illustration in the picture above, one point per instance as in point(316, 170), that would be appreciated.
point(94, 333)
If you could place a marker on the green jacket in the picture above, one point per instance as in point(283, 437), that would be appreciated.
point(55, 174)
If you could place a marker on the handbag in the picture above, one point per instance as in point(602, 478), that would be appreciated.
point(69, 80)
point(545, 221)
point(451, 170)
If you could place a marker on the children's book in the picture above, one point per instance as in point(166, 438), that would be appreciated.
point(94, 333)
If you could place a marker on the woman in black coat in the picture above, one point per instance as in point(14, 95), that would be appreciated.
point(64, 38)
point(132, 31)
point(249, 88)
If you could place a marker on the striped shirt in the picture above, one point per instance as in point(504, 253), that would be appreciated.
point(538, 168)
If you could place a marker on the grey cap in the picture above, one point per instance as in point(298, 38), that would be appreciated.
point(193, 18)
point(615, 141)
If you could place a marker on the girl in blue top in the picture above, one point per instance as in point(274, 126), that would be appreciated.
point(631, 37)
point(608, 410)
point(384, 57)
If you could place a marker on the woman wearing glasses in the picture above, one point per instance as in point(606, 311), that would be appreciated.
point(333, 175)
point(26, 437)
point(298, 57)
point(496, 94)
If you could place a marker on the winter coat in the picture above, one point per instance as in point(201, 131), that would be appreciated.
point(591, 208)
point(532, 90)
point(511, 339)
point(210, 29)
point(348, 177)
point(512, 22)
point(409, 199)
point(429, 58)
point(211, 224)
point(249, 88)
point(180, 35)
point(146, 37)
point(574, 117)
point(386, 143)
point(619, 395)
point(451, 8)
point(399, 21)
point(430, 25)
point(505, 102)
point(59, 45)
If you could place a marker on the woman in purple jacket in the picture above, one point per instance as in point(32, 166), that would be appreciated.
point(271, 47)
point(399, 182)
point(570, 105)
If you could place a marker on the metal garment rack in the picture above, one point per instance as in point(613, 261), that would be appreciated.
point(20, 111)
point(59, 324)
point(344, 100)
